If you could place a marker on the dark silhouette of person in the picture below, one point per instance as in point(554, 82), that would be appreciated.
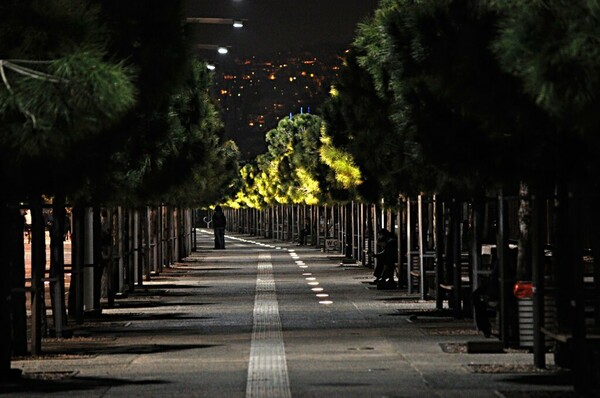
point(219, 221)
point(487, 291)
point(387, 257)
point(379, 247)
point(304, 232)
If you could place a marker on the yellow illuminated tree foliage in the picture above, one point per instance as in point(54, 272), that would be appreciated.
point(301, 166)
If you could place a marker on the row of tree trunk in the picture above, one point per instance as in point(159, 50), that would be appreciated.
point(113, 250)
point(448, 246)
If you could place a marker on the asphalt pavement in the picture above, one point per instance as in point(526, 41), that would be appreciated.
point(265, 319)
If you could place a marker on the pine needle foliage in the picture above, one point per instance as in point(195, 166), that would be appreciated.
point(553, 48)
point(58, 92)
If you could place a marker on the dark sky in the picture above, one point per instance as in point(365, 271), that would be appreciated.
point(280, 25)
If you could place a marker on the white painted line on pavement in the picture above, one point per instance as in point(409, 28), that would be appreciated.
point(267, 367)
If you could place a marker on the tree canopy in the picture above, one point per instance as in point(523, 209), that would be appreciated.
point(103, 102)
point(300, 166)
point(58, 90)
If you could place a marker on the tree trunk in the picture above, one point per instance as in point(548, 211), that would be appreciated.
point(561, 267)
point(14, 251)
point(348, 239)
point(11, 247)
point(524, 245)
point(57, 266)
point(97, 247)
point(38, 269)
point(77, 260)
point(439, 250)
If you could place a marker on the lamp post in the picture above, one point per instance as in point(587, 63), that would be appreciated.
point(214, 47)
point(236, 23)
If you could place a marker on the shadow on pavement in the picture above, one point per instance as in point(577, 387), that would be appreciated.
point(27, 384)
point(145, 317)
point(109, 348)
point(156, 304)
point(549, 378)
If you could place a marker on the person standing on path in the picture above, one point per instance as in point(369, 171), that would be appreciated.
point(387, 257)
point(219, 221)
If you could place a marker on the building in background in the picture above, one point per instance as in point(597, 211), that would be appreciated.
point(256, 92)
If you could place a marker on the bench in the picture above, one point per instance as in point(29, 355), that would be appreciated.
point(566, 337)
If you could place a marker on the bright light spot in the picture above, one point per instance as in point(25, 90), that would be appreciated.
point(322, 295)
point(311, 278)
point(238, 24)
point(326, 302)
point(306, 274)
point(222, 50)
point(317, 289)
point(313, 283)
point(210, 67)
point(303, 266)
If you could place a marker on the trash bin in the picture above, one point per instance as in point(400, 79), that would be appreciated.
point(525, 311)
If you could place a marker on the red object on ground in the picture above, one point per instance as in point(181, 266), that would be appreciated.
point(523, 289)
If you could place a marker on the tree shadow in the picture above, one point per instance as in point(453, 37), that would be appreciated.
point(109, 348)
point(156, 304)
point(544, 378)
point(41, 385)
point(145, 317)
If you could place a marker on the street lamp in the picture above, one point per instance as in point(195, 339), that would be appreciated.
point(236, 23)
point(214, 47)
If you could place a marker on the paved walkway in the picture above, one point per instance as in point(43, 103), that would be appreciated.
point(263, 320)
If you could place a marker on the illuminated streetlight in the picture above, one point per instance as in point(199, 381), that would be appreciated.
point(236, 23)
point(219, 49)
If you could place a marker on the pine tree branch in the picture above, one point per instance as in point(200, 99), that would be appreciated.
point(32, 72)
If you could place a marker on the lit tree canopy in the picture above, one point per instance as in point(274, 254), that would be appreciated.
point(300, 166)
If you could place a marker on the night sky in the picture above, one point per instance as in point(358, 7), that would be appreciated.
point(279, 25)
